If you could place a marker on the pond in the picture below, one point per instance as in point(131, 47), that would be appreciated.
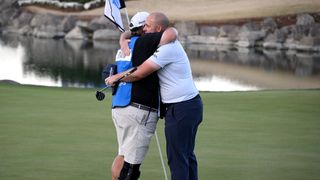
point(76, 63)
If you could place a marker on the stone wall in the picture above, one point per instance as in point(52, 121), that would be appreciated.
point(53, 26)
point(304, 35)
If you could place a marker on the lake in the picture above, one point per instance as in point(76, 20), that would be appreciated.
point(77, 63)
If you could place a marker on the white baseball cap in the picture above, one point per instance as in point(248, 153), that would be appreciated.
point(138, 20)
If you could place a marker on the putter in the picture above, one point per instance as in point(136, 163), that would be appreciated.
point(100, 95)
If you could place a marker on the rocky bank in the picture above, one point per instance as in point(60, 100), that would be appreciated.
point(299, 32)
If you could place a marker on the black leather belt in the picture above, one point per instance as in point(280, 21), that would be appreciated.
point(143, 107)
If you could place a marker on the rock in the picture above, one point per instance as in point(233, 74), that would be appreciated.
point(269, 25)
point(101, 23)
point(106, 34)
point(289, 44)
point(251, 26)
point(300, 31)
point(45, 19)
point(245, 43)
point(251, 39)
point(308, 43)
point(273, 45)
point(186, 28)
point(304, 20)
point(201, 39)
point(249, 34)
point(8, 10)
point(48, 31)
point(314, 30)
point(229, 32)
point(68, 23)
point(79, 33)
point(23, 19)
point(275, 40)
point(224, 41)
point(25, 30)
point(209, 31)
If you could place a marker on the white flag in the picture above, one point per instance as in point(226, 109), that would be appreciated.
point(112, 12)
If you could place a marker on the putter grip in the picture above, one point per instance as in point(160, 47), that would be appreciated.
point(115, 87)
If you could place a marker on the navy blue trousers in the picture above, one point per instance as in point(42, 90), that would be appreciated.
point(181, 124)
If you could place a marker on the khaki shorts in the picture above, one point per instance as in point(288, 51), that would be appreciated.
point(135, 128)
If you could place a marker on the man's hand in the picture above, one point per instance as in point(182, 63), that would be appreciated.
point(111, 80)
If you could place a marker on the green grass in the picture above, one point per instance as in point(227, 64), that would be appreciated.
point(66, 134)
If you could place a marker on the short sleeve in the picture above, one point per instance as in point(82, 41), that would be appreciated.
point(162, 55)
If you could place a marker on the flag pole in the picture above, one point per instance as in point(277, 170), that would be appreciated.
point(161, 158)
point(125, 9)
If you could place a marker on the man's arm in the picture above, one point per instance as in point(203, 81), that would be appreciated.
point(169, 35)
point(142, 71)
point(123, 41)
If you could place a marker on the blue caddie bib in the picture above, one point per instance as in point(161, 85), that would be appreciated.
point(122, 97)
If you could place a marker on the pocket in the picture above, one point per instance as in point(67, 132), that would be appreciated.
point(152, 121)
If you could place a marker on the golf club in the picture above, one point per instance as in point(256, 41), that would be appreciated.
point(100, 95)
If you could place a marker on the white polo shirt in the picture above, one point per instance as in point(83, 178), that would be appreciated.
point(175, 76)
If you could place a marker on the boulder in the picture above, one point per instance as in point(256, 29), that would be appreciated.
point(106, 34)
point(275, 40)
point(201, 39)
point(101, 23)
point(250, 26)
point(68, 23)
point(304, 20)
point(79, 33)
point(25, 30)
point(23, 19)
point(308, 43)
point(209, 31)
point(45, 19)
point(269, 24)
point(249, 34)
point(186, 28)
point(230, 32)
point(48, 31)
point(8, 10)
point(314, 30)
point(290, 44)
point(224, 41)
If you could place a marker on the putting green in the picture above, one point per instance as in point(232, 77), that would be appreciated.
point(65, 133)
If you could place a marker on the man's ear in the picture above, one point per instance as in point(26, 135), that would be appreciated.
point(159, 29)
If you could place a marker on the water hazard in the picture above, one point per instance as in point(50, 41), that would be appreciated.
point(73, 63)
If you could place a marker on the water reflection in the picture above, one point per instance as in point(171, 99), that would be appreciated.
point(256, 68)
point(217, 83)
point(216, 68)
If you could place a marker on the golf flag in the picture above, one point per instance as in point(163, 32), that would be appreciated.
point(112, 12)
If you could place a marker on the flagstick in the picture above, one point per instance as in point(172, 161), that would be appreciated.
point(127, 16)
point(161, 158)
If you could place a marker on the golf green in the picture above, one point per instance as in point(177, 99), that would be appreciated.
point(66, 134)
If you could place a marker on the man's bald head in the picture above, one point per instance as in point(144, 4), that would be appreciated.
point(156, 22)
